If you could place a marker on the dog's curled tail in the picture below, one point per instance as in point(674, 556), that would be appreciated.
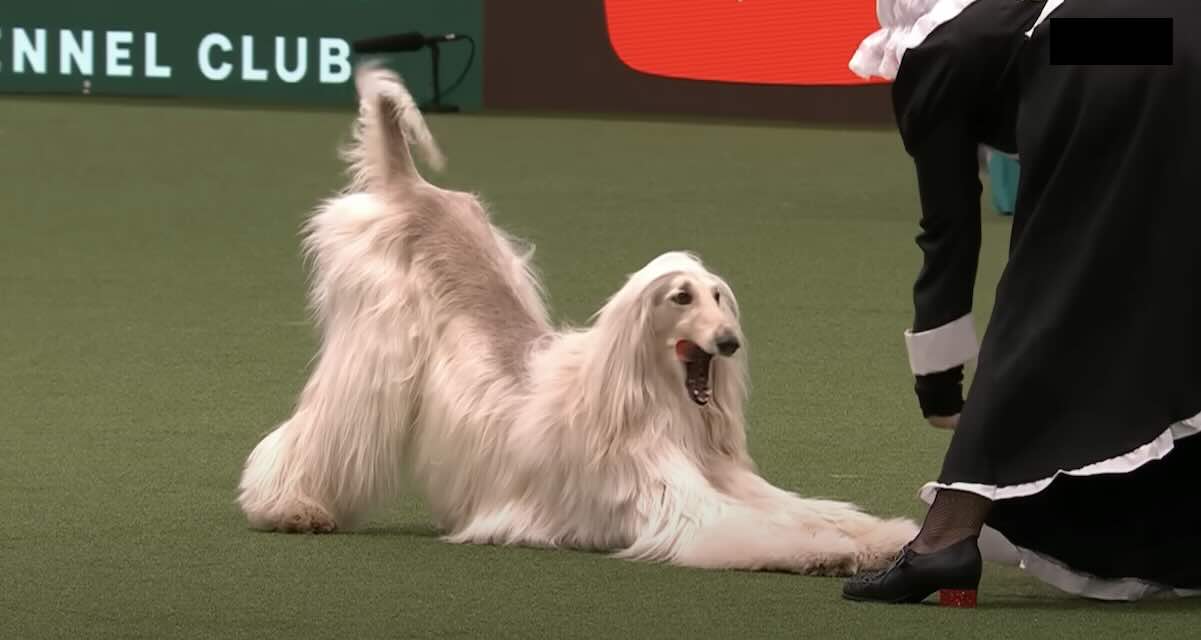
point(389, 121)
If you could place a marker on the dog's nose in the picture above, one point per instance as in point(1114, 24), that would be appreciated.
point(727, 344)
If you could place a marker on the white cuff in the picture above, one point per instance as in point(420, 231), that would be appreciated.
point(942, 348)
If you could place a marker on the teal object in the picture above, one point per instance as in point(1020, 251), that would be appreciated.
point(1003, 174)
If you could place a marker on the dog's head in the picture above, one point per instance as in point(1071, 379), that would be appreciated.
point(682, 322)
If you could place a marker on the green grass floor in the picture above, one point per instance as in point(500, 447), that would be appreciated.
point(153, 328)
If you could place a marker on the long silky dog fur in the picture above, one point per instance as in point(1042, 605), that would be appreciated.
point(440, 371)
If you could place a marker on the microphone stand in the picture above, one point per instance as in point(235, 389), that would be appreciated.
point(435, 105)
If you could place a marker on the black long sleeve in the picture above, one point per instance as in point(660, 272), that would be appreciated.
point(954, 92)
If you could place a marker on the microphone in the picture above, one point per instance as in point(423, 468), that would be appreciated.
point(397, 42)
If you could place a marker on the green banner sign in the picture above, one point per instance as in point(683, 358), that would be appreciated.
point(291, 52)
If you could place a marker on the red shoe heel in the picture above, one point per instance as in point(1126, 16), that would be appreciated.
point(957, 598)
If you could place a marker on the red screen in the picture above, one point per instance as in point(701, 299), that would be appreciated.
point(748, 41)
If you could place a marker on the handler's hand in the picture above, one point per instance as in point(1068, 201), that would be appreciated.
point(944, 422)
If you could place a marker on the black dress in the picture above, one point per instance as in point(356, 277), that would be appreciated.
point(1088, 381)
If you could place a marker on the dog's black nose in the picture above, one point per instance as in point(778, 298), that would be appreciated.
point(727, 344)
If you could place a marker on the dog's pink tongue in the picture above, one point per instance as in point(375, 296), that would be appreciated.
point(683, 349)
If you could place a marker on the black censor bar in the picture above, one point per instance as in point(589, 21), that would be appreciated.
point(1111, 41)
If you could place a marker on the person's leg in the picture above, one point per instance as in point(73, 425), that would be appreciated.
point(953, 517)
point(956, 78)
point(955, 93)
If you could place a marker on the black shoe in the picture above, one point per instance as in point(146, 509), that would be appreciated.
point(954, 571)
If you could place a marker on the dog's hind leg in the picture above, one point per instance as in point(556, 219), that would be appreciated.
point(341, 452)
point(272, 493)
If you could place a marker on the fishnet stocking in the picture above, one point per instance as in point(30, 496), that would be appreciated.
point(954, 516)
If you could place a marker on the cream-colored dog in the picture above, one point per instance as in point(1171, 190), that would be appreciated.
point(440, 370)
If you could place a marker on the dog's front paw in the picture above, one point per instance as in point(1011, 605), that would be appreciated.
point(835, 565)
point(877, 559)
point(882, 543)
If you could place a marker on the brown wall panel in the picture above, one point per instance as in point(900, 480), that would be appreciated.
point(555, 55)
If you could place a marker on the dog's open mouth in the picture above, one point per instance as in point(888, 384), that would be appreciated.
point(696, 363)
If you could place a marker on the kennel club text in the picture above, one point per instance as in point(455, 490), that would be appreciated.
point(218, 57)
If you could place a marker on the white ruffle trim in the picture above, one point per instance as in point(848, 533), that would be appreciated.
point(1154, 450)
point(904, 25)
point(997, 548)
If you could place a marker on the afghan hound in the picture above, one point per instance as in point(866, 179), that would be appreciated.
point(439, 370)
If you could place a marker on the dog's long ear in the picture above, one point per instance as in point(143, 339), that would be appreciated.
point(389, 121)
point(615, 372)
point(727, 421)
point(731, 386)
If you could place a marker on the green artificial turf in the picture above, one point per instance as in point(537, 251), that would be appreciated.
point(153, 328)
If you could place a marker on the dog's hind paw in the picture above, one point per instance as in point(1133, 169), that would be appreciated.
point(307, 519)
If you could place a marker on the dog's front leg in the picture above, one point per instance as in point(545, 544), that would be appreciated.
point(744, 537)
point(693, 524)
point(878, 540)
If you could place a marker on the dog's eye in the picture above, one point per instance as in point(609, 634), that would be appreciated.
point(717, 297)
point(682, 298)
